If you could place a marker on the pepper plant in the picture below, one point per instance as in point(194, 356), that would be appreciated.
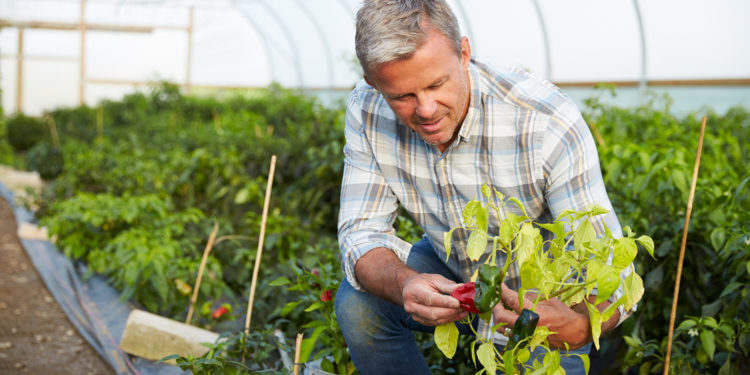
point(572, 266)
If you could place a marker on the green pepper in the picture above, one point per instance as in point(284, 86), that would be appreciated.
point(523, 328)
point(489, 291)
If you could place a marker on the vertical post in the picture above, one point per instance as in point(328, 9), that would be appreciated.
point(19, 72)
point(82, 65)
point(189, 50)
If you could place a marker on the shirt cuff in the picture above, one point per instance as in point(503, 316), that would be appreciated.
point(355, 251)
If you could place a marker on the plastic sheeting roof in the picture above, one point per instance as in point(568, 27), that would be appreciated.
point(309, 44)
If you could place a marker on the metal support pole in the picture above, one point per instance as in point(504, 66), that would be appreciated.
point(189, 50)
point(19, 72)
point(82, 65)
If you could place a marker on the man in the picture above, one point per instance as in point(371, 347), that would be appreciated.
point(425, 129)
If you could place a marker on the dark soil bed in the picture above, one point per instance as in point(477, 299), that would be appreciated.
point(35, 334)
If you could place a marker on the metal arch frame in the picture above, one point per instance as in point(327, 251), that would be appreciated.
point(287, 35)
point(323, 40)
point(262, 35)
point(643, 82)
point(545, 39)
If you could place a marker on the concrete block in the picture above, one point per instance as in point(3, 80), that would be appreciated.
point(154, 337)
point(30, 231)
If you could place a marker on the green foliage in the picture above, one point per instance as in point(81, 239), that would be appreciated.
point(647, 161)
point(568, 267)
point(180, 163)
point(138, 242)
point(317, 292)
point(24, 132)
point(45, 159)
point(237, 353)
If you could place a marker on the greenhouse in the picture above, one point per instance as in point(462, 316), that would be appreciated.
point(184, 171)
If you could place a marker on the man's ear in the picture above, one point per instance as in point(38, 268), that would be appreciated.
point(465, 52)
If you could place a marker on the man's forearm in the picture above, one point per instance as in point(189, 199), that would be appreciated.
point(381, 273)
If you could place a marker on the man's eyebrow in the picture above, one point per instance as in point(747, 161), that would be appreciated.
point(434, 83)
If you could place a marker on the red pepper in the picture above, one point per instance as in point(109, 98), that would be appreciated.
point(326, 296)
point(465, 294)
point(219, 312)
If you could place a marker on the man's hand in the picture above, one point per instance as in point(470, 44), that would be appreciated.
point(571, 324)
point(381, 273)
point(426, 300)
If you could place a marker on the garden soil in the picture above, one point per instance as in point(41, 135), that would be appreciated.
point(36, 336)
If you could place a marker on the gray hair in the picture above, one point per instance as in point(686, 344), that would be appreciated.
point(391, 30)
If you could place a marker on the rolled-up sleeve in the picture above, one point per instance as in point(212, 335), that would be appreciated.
point(368, 206)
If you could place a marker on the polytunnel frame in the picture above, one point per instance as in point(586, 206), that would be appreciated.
point(461, 13)
point(295, 58)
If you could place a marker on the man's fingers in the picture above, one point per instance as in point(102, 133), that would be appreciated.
point(434, 316)
point(510, 297)
point(501, 314)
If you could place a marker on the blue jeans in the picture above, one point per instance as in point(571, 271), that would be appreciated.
point(379, 333)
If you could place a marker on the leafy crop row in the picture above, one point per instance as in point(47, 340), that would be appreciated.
point(145, 178)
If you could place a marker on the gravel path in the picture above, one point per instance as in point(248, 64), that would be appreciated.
point(35, 334)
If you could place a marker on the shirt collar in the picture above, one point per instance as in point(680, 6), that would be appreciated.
point(475, 104)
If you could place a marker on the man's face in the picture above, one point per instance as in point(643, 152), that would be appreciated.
point(429, 92)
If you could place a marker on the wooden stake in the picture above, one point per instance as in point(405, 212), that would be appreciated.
point(297, 351)
point(682, 247)
point(194, 298)
point(260, 245)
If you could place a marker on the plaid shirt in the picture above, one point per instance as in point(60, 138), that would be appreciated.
point(521, 135)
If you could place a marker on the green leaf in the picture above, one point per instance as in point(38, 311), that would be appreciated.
point(314, 306)
point(583, 234)
point(242, 197)
point(648, 243)
point(748, 266)
point(596, 210)
point(279, 281)
point(558, 232)
point(586, 362)
point(709, 342)
point(731, 288)
point(520, 206)
point(289, 307)
point(686, 325)
point(609, 281)
point(447, 240)
point(531, 275)
point(446, 339)
point(508, 362)
point(308, 344)
point(470, 211)
point(476, 245)
point(595, 320)
point(726, 368)
point(718, 237)
point(486, 355)
point(624, 252)
point(486, 191)
point(632, 290)
point(528, 242)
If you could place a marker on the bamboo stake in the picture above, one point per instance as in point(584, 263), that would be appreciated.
point(297, 351)
point(597, 135)
point(207, 250)
point(682, 247)
point(260, 245)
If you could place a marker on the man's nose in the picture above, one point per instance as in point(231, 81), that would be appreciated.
point(426, 106)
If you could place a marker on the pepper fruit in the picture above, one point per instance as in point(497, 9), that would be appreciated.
point(489, 292)
point(523, 328)
point(465, 295)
